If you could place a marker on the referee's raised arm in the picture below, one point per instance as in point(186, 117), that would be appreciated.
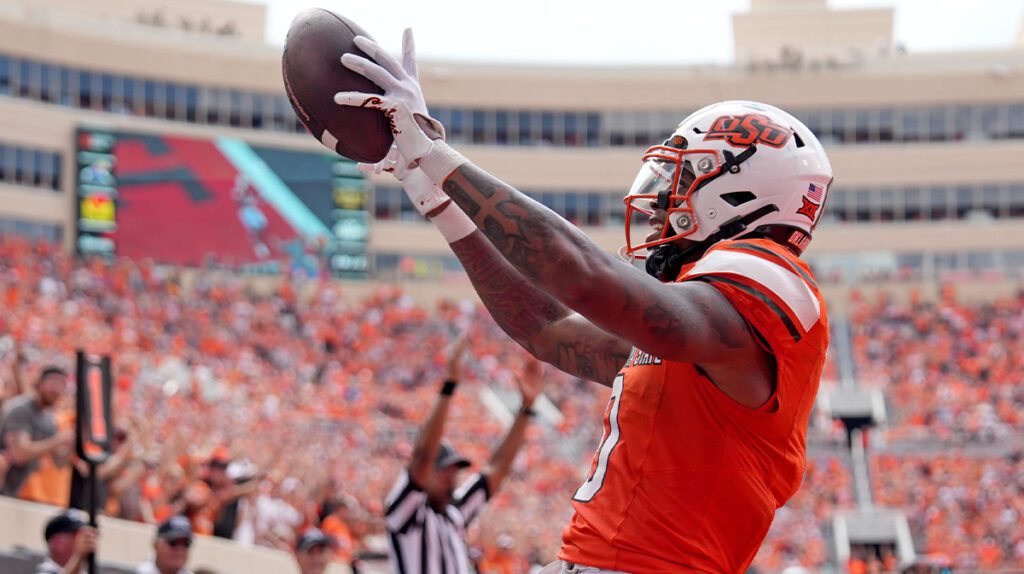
point(426, 532)
point(531, 383)
point(421, 467)
point(425, 515)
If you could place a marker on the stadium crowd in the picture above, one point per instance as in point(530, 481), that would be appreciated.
point(951, 373)
point(259, 410)
point(969, 508)
point(949, 370)
point(259, 415)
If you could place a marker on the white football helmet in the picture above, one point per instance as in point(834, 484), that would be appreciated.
point(727, 170)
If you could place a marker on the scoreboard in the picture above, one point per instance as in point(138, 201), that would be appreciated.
point(198, 201)
point(351, 220)
point(95, 192)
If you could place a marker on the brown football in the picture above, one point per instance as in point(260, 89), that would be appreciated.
point(313, 73)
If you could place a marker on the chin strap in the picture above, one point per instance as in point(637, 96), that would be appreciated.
point(666, 261)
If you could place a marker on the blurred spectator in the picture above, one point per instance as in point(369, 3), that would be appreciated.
point(229, 482)
point(313, 552)
point(170, 549)
point(871, 559)
point(116, 476)
point(334, 523)
point(244, 474)
point(217, 514)
point(31, 439)
point(69, 542)
point(274, 519)
point(502, 559)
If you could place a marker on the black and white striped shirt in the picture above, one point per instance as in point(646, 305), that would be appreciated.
point(425, 541)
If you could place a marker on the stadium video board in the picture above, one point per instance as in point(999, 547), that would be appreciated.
point(187, 201)
point(96, 192)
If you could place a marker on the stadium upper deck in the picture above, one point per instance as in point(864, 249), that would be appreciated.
point(923, 145)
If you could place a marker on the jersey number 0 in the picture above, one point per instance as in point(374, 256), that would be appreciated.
point(587, 490)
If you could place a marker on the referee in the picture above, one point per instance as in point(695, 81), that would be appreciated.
point(426, 516)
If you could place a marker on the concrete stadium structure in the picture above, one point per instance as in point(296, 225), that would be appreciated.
point(922, 145)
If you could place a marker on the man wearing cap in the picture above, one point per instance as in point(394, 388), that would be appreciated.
point(170, 549)
point(426, 516)
point(313, 552)
point(69, 542)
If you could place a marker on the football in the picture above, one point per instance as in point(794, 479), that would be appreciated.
point(313, 73)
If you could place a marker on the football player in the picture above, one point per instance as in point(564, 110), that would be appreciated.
point(713, 355)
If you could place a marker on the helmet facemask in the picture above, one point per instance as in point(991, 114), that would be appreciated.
point(667, 181)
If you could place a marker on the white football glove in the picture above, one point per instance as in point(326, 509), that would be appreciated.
point(426, 197)
point(402, 101)
point(429, 200)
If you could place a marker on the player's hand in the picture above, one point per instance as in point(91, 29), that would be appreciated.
point(425, 196)
point(531, 381)
point(455, 358)
point(402, 101)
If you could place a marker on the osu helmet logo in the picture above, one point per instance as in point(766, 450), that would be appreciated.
point(747, 130)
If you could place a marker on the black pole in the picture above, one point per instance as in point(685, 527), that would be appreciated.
point(93, 486)
point(93, 428)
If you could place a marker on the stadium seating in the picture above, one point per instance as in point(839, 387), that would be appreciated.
point(323, 395)
point(966, 506)
point(949, 370)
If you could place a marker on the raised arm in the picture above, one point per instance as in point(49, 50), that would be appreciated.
point(21, 449)
point(530, 386)
point(685, 321)
point(18, 370)
point(547, 329)
point(688, 322)
point(421, 467)
point(544, 327)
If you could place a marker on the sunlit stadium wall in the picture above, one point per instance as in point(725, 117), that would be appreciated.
point(924, 146)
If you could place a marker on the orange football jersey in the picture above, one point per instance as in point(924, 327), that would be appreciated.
point(686, 479)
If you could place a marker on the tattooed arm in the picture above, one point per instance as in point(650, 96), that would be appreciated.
point(688, 321)
point(543, 326)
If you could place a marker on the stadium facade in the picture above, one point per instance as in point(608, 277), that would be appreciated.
point(923, 145)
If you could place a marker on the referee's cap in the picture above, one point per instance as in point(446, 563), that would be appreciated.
point(447, 456)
